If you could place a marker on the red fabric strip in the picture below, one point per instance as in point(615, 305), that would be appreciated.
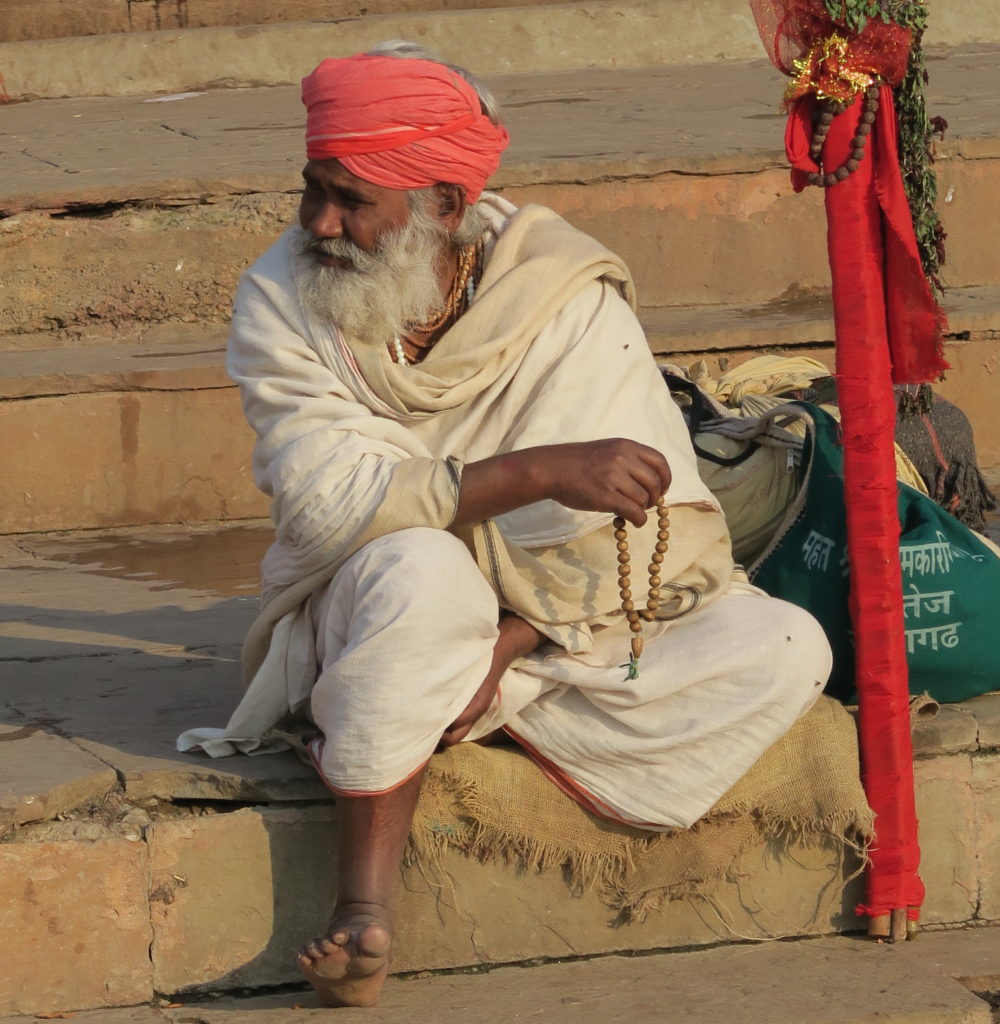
point(864, 250)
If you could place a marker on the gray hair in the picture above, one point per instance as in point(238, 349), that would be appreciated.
point(404, 48)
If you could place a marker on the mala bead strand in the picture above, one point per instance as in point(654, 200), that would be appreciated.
point(634, 615)
point(824, 115)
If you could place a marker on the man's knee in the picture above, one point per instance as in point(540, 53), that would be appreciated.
point(420, 566)
point(802, 644)
point(419, 553)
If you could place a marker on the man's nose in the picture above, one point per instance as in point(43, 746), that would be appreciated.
point(327, 221)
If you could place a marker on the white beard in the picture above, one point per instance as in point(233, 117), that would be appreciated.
point(381, 292)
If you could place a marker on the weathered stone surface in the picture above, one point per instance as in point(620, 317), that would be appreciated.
point(987, 713)
point(986, 790)
point(558, 37)
point(533, 36)
point(50, 19)
point(124, 640)
point(121, 1015)
point(951, 730)
point(74, 926)
point(42, 775)
point(970, 955)
point(946, 813)
point(164, 591)
point(971, 380)
point(127, 710)
point(234, 894)
point(120, 367)
point(164, 472)
point(826, 981)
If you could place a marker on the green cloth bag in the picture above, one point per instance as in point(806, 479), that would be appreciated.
point(951, 579)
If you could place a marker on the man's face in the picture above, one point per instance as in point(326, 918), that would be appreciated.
point(337, 204)
point(365, 260)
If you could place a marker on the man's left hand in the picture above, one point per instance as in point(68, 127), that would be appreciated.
point(517, 638)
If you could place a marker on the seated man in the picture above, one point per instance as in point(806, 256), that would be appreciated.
point(452, 400)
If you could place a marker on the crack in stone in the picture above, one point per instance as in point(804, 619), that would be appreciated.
point(119, 774)
point(179, 131)
point(125, 388)
point(41, 160)
point(178, 651)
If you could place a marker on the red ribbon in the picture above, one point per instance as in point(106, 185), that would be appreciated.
point(914, 323)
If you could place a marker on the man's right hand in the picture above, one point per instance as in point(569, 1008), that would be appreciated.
point(614, 475)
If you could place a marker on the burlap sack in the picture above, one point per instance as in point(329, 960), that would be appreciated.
point(493, 803)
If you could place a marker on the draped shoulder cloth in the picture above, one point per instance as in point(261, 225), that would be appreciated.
point(351, 446)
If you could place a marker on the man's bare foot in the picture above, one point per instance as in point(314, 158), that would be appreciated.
point(348, 965)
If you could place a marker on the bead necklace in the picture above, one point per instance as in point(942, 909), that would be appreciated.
point(460, 296)
point(824, 115)
point(634, 616)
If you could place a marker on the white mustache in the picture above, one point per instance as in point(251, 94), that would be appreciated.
point(339, 248)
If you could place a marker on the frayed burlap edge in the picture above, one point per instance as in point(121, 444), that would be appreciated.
point(494, 804)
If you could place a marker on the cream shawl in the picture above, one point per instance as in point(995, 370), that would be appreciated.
point(351, 446)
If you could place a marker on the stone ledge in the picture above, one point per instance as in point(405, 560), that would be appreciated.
point(644, 122)
point(952, 729)
point(973, 725)
point(48, 19)
point(233, 894)
point(229, 895)
point(986, 710)
point(552, 36)
point(49, 776)
point(496, 40)
point(191, 357)
point(90, 902)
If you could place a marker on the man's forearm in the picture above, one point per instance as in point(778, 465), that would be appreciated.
point(497, 485)
point(611, 475)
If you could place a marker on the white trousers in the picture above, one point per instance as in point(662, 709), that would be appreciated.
point(405, 635)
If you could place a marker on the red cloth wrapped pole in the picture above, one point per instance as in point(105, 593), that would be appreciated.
point(888, 329)
point(872, 281)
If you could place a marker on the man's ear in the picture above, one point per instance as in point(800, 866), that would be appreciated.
point(451, 204)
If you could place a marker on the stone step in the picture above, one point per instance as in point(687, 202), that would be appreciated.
point(162, 873)
point(56, 19)
point(493, 40)
point(157, 208)
point(822, 981)
point(151, 431)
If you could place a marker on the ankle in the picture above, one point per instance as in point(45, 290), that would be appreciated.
point(347, 908)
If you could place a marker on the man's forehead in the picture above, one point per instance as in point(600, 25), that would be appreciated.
point(333, 173)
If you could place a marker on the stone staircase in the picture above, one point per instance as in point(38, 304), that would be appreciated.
point(127, 213)
point(126, 221)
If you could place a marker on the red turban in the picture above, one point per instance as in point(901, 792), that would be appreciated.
point(401, 122)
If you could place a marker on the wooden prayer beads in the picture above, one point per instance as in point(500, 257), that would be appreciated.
point(825, 113)
point(636, 616)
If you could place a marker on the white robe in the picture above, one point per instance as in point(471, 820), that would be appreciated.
point(354, 453)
